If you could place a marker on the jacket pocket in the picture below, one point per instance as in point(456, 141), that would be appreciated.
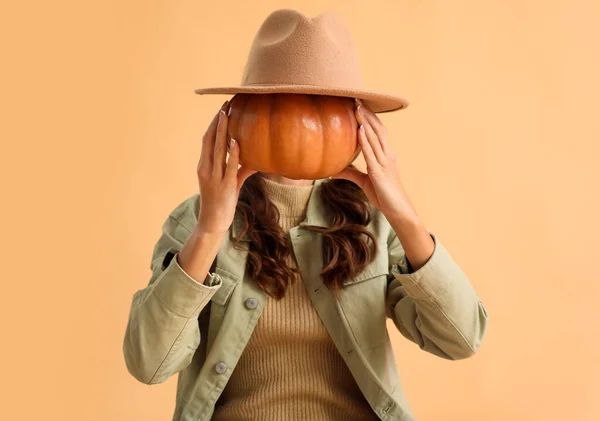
point(375, 269)
point(229, 282)
point(362, 301)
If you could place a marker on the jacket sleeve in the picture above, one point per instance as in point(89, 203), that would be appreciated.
point(162, 332)
point(435, 306)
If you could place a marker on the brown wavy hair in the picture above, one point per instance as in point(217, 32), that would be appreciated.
point(346, 251)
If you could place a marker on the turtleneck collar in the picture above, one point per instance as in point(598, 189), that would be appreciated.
point(290, 199)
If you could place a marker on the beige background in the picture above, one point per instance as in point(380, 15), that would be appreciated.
point(101, 135)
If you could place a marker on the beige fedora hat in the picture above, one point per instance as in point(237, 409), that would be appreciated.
point(294, 53)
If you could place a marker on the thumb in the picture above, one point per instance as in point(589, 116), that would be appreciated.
point(243, 174)
point(351, 174)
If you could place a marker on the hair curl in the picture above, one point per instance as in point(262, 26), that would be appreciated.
point(346, 252)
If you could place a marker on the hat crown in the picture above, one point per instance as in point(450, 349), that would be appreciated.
point(296, 54)
point(293, 49)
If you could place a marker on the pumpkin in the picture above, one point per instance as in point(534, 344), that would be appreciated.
point(299, 136)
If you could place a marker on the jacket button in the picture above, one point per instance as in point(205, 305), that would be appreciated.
point(221, 367)
point(251, 303)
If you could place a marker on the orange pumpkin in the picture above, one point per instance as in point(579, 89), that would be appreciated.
point(298, 136)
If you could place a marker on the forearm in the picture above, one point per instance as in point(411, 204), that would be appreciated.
point(414, 238)
point(198, 253)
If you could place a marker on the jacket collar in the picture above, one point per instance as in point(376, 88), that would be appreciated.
point(315, 212)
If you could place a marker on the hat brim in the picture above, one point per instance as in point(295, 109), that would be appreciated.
point(376, 101)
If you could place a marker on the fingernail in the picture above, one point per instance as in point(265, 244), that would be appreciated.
point(224, 105)
point(223, 112)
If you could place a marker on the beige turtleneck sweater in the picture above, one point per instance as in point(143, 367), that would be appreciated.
point(290, 369)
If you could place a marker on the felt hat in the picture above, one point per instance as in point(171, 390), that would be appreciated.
point(294, 53)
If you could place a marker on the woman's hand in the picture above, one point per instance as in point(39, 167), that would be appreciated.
point(382, 184)
point(219, 179)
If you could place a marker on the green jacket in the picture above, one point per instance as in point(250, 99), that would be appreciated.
point(178, 325)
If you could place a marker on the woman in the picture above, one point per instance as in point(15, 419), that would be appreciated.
point(267, 297)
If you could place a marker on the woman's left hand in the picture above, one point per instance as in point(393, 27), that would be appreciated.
point(382, 184)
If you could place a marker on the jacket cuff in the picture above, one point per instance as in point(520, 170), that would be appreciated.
point(181, 293)
point(434, 277)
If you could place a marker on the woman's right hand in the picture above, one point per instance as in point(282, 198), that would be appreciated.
point(219, 179)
